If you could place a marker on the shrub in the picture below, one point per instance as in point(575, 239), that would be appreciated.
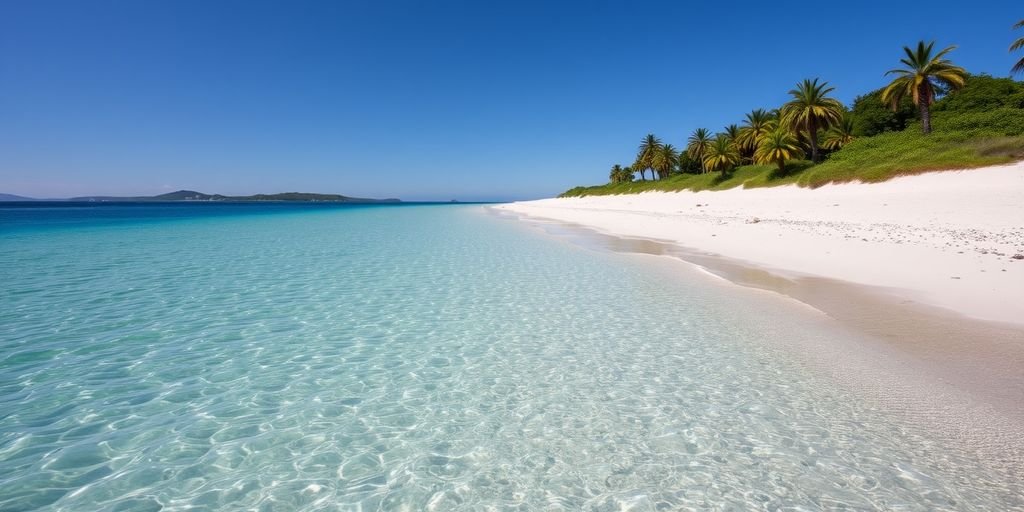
point(999, 121)
point(871, 116)
point(982, 93)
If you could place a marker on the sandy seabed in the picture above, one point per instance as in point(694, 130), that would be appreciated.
point(928, 269)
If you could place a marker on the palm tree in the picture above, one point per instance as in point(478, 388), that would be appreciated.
point(1017, 45)
point(839, 135)
point(757, 123)
point(664, 160)
point(620, 174)
point(733, 131)
point(777, 146)
point(811, 110)
point(923, 73)
point(721, 154)
point(645, 154)
point(697, 146)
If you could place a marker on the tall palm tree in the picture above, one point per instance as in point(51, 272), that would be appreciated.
point(922, 74)
point(638, 167)
point(1017, 45)
point(777, 146)
point(697, 146)
point(664, 160)
point(721, 154)
point(811, 110)
point(839, 135)
point(733, 131)
point(645, 154)
point(757, 123)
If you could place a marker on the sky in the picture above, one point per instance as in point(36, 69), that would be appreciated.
point(436, 100)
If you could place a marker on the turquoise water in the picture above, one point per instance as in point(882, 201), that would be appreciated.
point(217, 357)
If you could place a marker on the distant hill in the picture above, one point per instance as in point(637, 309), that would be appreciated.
point(305, 196)
point(185, 195)
point(192, 195)
point(12, 197)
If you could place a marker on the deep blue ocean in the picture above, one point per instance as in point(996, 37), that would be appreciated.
point(279, 357)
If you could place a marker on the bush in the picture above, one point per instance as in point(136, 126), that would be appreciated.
point(983, 93)
point(999, 121)
point(871, 116)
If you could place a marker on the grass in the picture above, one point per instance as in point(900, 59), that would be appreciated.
point(960, 141)
point(746, 175)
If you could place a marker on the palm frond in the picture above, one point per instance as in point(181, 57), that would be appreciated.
point(776, 147)
point(921, 72)
point(938, 56)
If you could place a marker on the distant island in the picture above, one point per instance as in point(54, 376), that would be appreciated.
point(191, 195)
point(12, 197)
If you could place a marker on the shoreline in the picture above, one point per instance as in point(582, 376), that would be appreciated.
point(950, 239)
point(939, 367)
point(925, 333)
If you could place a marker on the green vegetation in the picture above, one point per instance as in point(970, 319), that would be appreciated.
point(620, 174)
point(663, 160)
point(697, 146)
point(839, 134)
point(811, 110)
point(757, 124)
point(959, 140)
point(722, 155)
point(645, 155)
point(776, 147)
point(919, 80)
point(872, 116)
point(983, 92)
point(932, 116)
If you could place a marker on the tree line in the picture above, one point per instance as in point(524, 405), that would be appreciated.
point(810, 123)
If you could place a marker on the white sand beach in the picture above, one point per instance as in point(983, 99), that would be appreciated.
point(952, 239)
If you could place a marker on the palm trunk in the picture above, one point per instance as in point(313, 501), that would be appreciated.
point(924, 99)
point(926, 119)
point(812, 135)
point(782, 167)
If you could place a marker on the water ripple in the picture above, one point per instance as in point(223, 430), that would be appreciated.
point(420, 358)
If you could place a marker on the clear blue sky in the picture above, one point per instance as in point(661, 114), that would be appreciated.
point(419, 100)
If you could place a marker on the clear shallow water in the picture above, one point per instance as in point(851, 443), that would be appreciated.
point(414, 358)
